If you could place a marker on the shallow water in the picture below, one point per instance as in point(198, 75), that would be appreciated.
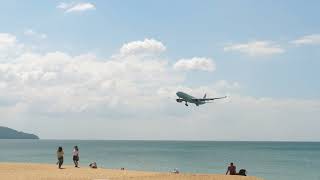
point(270, 160)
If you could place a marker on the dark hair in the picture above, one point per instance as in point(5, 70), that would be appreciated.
point(59, 149)
point(76, 148)
point(231, 164)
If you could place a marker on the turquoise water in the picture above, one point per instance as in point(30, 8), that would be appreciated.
point(270, 160)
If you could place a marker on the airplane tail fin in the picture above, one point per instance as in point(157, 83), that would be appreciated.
point(205, 95)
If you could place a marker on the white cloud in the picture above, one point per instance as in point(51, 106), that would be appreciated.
point(81, 82)
point(76, 7)
point(126, 97)
point(7, 40)
point(256, 48)
point(9, 46)
point(146, 46)
point(32, 33)
point(195, 63)
point(309, 39)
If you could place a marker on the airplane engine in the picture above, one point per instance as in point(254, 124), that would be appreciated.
point(179, 100)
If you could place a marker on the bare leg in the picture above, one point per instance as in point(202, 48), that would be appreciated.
point(60, 163)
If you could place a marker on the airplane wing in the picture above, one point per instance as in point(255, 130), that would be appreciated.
point(209, 99)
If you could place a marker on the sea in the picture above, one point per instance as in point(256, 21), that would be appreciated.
point(269, 160)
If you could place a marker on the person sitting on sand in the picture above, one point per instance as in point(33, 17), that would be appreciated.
point(93, 165)
point(231, 169)
point(75, 155)
point(60, 154)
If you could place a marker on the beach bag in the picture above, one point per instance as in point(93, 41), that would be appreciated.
point(243, 172)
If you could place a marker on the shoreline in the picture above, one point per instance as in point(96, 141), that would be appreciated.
point(35, 171)
point(167, 140)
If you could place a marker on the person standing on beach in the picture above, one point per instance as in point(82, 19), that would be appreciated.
point(75, 157)
point(231, 169)
point(60, 154)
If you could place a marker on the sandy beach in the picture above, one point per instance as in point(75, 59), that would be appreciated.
point(27, 171)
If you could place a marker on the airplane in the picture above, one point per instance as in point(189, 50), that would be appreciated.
point(197, 101)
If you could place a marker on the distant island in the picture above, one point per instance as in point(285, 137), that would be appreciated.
point(7, 133)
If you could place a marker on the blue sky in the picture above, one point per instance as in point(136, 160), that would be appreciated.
point(270, 49)
point(189, 28)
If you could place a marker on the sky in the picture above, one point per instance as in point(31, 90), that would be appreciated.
point(110, 69)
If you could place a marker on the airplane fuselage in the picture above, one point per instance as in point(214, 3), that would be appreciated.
point(188, 98)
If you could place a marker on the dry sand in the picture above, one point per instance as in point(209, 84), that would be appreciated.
point(26, 171)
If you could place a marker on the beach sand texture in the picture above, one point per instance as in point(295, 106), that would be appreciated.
point(26, 171)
